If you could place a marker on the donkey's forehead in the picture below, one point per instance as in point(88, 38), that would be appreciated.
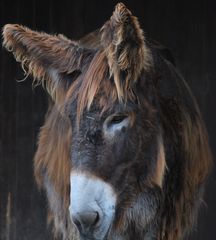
point(94, 91)
point(96, 112)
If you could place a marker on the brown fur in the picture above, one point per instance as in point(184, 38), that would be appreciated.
point(55, 132)
point(161, 164)
point(197, 167)
point(198, 162)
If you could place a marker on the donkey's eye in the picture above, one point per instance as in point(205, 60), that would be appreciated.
point(116, 124)
point(117, 119)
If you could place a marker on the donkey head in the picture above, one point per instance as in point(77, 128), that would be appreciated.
point(101, 153)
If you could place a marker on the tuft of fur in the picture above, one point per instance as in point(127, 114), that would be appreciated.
point(56, 163)
point(126, 51)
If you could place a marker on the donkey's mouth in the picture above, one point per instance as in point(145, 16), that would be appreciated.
point(92, 235)
point(86, 237)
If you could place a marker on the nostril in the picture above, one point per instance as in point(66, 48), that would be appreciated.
point(96, 219)
point(77, 222)
point(86, 220)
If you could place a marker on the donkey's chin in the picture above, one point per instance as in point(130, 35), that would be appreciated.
point(90, 237)
point(102, 233)
point(96, 234)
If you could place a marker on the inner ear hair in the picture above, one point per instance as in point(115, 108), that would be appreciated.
point(44, 56)
point(69, 78)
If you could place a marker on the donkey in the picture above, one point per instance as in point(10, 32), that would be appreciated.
point(123, 152)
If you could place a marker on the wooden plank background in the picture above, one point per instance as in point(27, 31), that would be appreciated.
point(187, 27)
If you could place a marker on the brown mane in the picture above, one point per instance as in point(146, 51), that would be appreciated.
point(55, 132)
point(198, 163)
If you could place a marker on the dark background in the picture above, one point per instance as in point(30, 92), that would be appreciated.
point(187, 27)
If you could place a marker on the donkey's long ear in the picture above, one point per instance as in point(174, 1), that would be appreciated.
point(127, 53)
point(46, 57)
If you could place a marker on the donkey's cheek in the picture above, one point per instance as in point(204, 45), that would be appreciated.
point(92, 204)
